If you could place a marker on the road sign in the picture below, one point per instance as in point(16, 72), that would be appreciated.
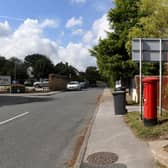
point(150, 49)
point(5, 80)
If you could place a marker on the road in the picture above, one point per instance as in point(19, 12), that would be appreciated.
point(40, 132)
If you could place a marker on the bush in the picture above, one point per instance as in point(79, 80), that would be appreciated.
point(18, 88)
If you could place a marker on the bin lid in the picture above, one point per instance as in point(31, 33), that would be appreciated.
point(150, 79)
point(118, 92)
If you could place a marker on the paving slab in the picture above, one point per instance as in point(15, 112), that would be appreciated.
point(157, 148)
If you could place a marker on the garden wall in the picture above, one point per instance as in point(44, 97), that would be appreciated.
point(57, 82)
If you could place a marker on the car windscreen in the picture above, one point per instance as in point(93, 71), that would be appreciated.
point(73, 82)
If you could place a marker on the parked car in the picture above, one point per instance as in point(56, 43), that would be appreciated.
point(73, 85)
point(84, 84)
point(28, 82)
point(40, 84)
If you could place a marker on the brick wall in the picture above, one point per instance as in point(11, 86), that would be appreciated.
point(57, 82)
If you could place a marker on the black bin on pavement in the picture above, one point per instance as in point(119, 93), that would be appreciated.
point(119, 102)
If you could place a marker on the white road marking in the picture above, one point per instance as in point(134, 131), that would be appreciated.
point(13, 118)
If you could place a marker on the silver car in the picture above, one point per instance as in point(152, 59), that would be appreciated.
point(73, 85)
point(40, 84)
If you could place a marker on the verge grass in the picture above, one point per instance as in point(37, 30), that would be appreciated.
point(159, 165)
point(147, 133)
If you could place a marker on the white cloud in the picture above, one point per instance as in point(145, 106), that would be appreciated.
point(29, 39)
point(4, 29)
point(88, 37)
point(101, 6)
point(101, 26)
point(77, 32)
point(11, 18)
point(29, 29)
point(62, 34)
point(74, 22)
point(78, 56)
point(49, 23)
point(98, 30)
point(78, 1)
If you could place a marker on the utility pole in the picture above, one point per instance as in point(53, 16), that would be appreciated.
point(15, 70)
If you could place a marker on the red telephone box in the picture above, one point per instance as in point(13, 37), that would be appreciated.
point(150, 100)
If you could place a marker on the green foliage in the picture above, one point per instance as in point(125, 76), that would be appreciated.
point(123, 16)
point(159, 165)
point(150, 68)
point(153, 23)
point(13, 67)
point(19, 69)
point(113, 59)
point(92, 74)
point(4, 66)
point(41, 64)
point(82, 76)
point(130, 19)
point(66, 70)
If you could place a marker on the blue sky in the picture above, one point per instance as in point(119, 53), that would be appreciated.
point(62, 30)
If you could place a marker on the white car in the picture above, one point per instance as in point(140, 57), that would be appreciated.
point(73, 85)
point(40, 84)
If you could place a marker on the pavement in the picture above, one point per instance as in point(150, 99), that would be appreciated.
point(31, 94)
point(109, 142)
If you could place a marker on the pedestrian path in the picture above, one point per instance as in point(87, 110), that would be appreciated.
point(112, 140)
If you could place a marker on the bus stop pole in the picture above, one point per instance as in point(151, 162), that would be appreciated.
point(160, 81)
point(140, 78)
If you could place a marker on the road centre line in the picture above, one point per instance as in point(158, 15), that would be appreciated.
point(13, 118)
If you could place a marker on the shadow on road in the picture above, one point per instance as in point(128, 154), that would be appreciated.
point(12, 100)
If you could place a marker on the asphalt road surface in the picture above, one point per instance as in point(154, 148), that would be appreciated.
point(40, 132)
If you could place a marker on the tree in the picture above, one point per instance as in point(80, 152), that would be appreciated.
point(17, 69)
point(152, 23)
point(42, 66)
point(92, 74)
point(3, 68)
point(66, 70)
point(13, 67)
point(112, 57)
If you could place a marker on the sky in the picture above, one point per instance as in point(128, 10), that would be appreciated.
point(63, 30)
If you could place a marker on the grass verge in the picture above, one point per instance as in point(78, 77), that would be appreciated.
point(159, 165)
point(147, 133)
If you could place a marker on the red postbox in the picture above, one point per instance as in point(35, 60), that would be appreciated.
point(150, 100)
